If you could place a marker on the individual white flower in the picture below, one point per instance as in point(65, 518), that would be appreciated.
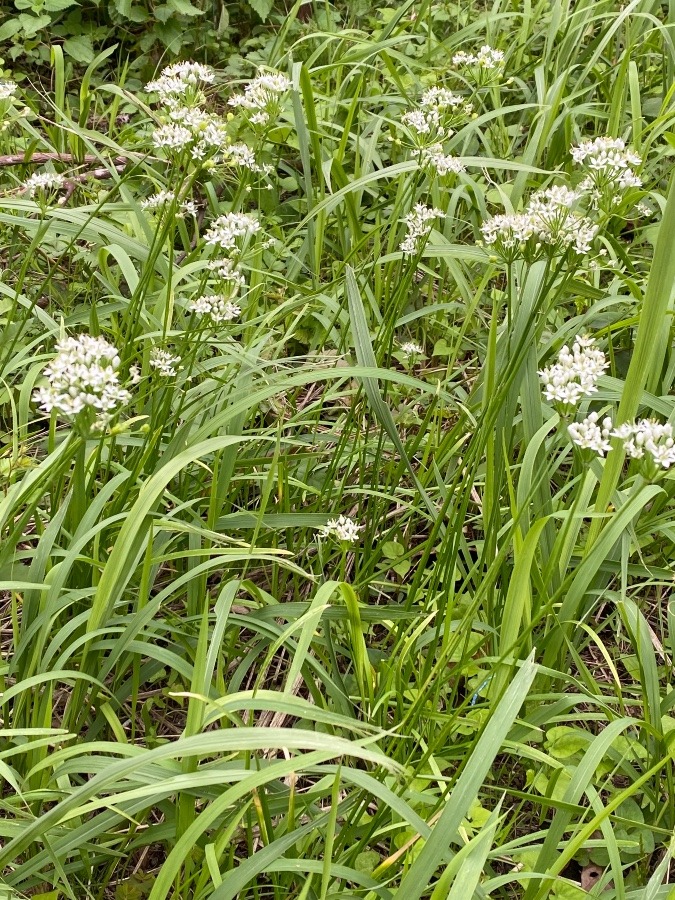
point(226, 230)
point(7, 89)
point(443, 163)
point(216, 307)
point(343, 529)
point(42, 182)
point(188, 208)
point(165, 363)
point(410, 348)
point(576, 373)
point(648, 438)
point(262, 97)
point(83, 376)
point(419, 223)
point(588, 435)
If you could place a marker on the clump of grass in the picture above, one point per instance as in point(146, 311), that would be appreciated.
point(337, 468)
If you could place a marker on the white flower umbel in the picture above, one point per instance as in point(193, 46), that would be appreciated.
point(507, 234)
point(439, 110)
point(7, 89)
point(557, 224)
point(227, 270)
point(412, 349)
point(241, 156)
point(202, 133)
point(342, 529)
point(262, 98)
point(589, 435)
point(648, 439)
point(83, 377)
point(609, 164)
point(165, 363)
point(419, 223)
point(43, 182)
point(485, 58)
point(179, 84)
point(162, 199)
point(484, 66)
point(217, 307)
point(156, 201)
point(548, 225)
point(576, 373)
point(434, 157)
point(227, 230)
point(172, 136)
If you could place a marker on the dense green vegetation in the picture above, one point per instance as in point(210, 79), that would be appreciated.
point(338, 505)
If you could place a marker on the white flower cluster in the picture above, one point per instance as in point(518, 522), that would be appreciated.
point(226, 269)
point(548, 224)
point(342, 529)
point(164, 198)
point(609, 164)
point(216, 307)
point(439, 110)
point(262, 97)
point(646, 439)
point(412, 349)
point(42, 182)
point(241, 156)
point(186, 126)
point(226, 230)
point(83, 375)
point(7, 89)
point(165, 363)
point(435, 158)
point(588, 435)
point(179, 84)
point(419, 223)
point(202, 133)
point(576, 373)
point(487, 58)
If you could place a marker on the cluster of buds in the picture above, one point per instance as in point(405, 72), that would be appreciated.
point(575, 374)
point(647, 440)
